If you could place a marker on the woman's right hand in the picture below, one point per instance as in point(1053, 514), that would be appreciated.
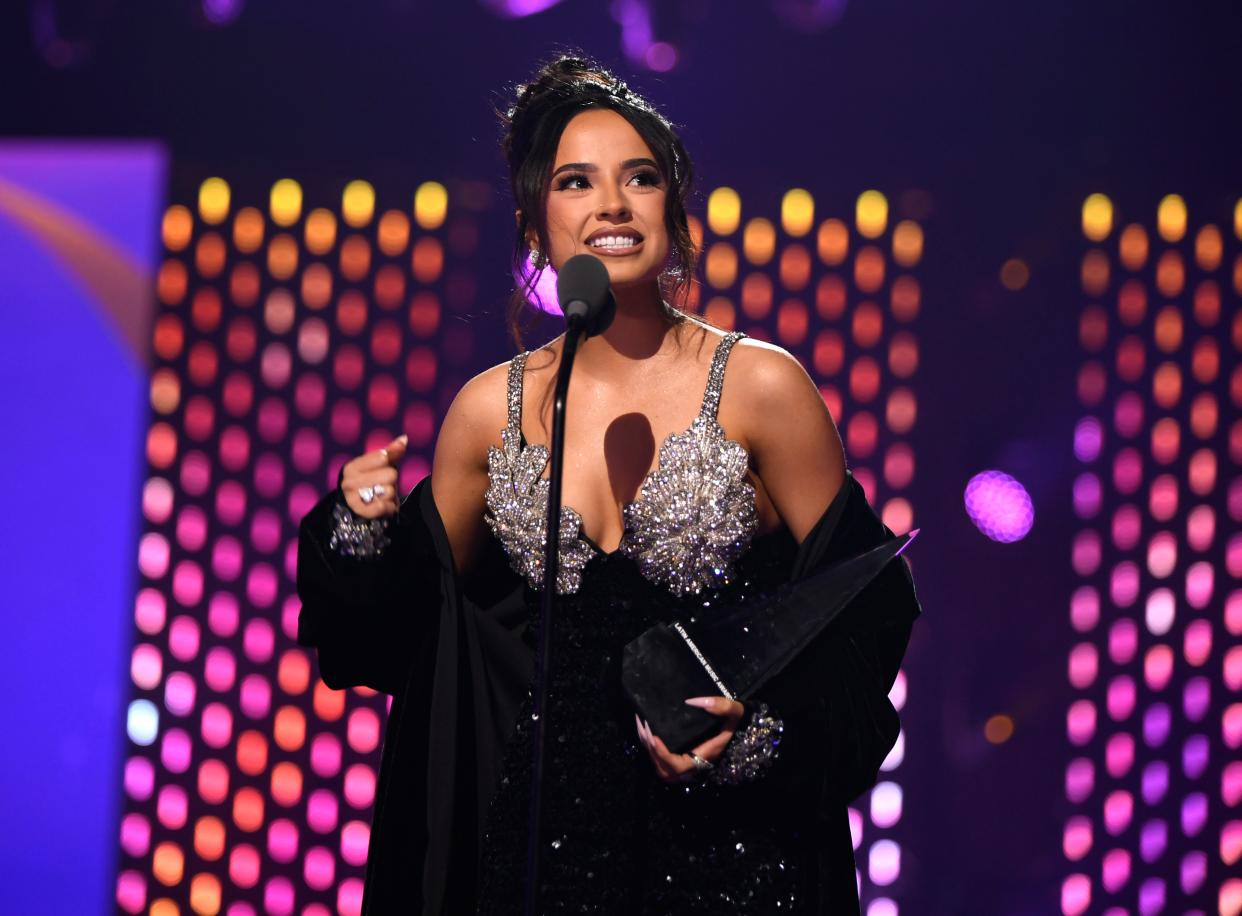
point(378, 470)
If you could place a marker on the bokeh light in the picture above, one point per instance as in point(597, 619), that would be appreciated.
point(999, 506)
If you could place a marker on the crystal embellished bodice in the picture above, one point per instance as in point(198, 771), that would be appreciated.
point(694, 515)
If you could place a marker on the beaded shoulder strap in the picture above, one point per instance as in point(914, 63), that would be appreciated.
point(715, 375)
point(516, 366)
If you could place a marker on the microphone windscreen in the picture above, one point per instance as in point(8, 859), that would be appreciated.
point(583, 290)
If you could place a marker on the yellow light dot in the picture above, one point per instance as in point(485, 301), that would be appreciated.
point(833, 241)
point(177, 228)
point(320, 231)
point(1171, 218)
point(1014, 274)
point(724, 211)
point(907, 243)
point(998, 729)
point(430, 205)
point(358, 203)
point(286, 202)
point(871, 214)
point(759, 240)
point(213, 200)
point(1237, 218)
point(797, 212)
point(1097, 217)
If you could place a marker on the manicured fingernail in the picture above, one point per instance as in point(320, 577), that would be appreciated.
point(701, 702)
point(403, 439)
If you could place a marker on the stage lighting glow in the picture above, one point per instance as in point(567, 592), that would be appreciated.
point(999, 506)
point(661, 57)
point(519, 9)
point(430, 205)
point(177, 227)
point(832, 242)
point(221, 12)
point(720, 265)
point(358, 203)
point(759, 240)
point(1133, 248)
point(142, 723)
point(1171, 217)
point(1097, 217)
point(213, 200)
point(871, 214)
point(285, 202)
point(1014, 274)
point(724, 211)
point(884, 862)
point(797, 212)
point(907, 243)
point(1209, 248)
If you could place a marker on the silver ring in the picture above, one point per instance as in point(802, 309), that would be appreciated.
point(700, 765)
point(380, 489)
point(367, 495)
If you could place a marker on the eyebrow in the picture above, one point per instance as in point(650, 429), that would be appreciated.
point(589, 167)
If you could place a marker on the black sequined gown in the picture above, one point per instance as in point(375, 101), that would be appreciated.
point(615, 838)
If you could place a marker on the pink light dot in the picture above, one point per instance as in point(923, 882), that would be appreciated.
point(1127, 471)
point(1200, 582)
point(661, 57)
point(1163, 499)
point(275, 365)
point(1128, 414)
point(149, 611)
point(146, 666)
point(217, 726)
point(360, 786)
point(282, 840)
point(292, 607)
point(1230, 899)
point(1201, 528)
point(183, 638)
point(1233, 668)
point(234, 448)
point(1127, 525)
point(1231, 725)
point(307, 453)
point(157, 500)
point(363, 732)
point(355, 840)
point(1088, 438)
point(316, 909)
point(191, 528)
point(139, 778)
point(1080, 722)
point(1194, 871)
point(1231, 843)
point(1083, 665)
point(1116, 870)
point(241, 909)
point(256, 696)
point(172, 807)
point(309, 396)
point(265, 530)
point(313, 340)
point(302, 498)
point(1085, 555)
point(1158, 667)
point(1122, 640)
point(259, 640)
point(419, 423)
point(1161, 554)
point(226, 558)
point(1155, 781)
point(1233, 556)
point(1233, 613)
point(1118, 811)
point(273, 420)
point(1087, 495)
point(278, 897)
point(346, 422)
point(1156, 723)
point(230, 502)
point(325, 756)
point(897, 695)
point(195, 473)
point(1151, 897)
point(349, 897)
point(322, 811)
point(131, 891)
point(175, 751)
point(223, 614)
point(1077, 838)
point(153, 555)
point(1084, 608)
point(319, 869)
point(1195, 755)
point(884, 862)
point(261, 586)
point(856, 827)
point(1161, 611)
point(1202, 476)
point(1124, 584)
point(179, 694)
point(219, 669)
point(187, 583)
point(213, 781)
point(244, 865)
point(1121, 697)
point(1196, 698)
point(1153, 839)
point(413, 470)
point(269, 476)
point(1197, 646)
point(135, 835)
point(1119, 755)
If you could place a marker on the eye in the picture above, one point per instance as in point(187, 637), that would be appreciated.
point(647, 178)
point(572, 181)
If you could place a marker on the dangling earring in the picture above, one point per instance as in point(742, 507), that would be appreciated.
point(537, 259)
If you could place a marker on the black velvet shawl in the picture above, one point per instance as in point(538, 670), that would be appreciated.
point(452, 656)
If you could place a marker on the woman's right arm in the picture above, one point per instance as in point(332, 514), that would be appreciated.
point(369, 576)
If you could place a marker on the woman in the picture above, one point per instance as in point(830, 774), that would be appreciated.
point(431, 598)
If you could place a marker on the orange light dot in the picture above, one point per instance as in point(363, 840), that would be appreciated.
point(205, 895)
point(171, 282)
point(871, 214)
point(278, 311)
point(251, 753)
point(1095, 272)
point(901, 412)
point(209, 838)
point(329, 704)
point(898, 515)
point(1097, 217)
point(905, 298)
point(1209, 248)
point(792, 323)
point(286, 784)
point(1170, 274)
point(797, 212)
point(316, 286)
point(1171, 218)
point(248, 809)
point(795, 268)
point(828, 355)
point(864, 379)
point(869, 269)
point(351, 311)
point(1166, 385)
point(424, 314)
point(1093, 328)
point(177, 227)
point(756, 296)
point(245, 284)
point(1205, 362)
point(830, 297)
point(1165, 440)
point(430, 204)
point(1204, 415)
point(903, 354)
point(355, 258)
point(164, 907)
point(1207, 303)
point(168, 863)
point(358, 203)
point(165, 391)
point(1169, 328)
point(1132, 302)
point(168, 337)
point(285, 202)
point(293, 673)
point(248, 230)
point(868, 324)
point(282, 256)
point(1131, 358)
point(320, 231)
point(161, 445)
point(1014, 274)
point(998, 729)
point(428, 259)
point(213, 200)
point(720, 312)
point(209, 255)
point(833, 242)
point(289, 728)
point(394, 233)
point(907, 243)
point(724, 211)
point(206, 309)
point(759, 240)
point(720, 265)
point(1132, 247)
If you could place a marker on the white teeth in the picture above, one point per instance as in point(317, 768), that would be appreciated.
point(614, 241)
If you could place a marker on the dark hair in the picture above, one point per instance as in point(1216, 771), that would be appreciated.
point(564, 87)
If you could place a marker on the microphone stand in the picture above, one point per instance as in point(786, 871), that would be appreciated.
point(574, 333)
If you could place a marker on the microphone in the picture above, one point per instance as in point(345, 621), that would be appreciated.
point(583, 290)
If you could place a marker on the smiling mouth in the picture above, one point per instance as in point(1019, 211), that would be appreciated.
point(616, 243)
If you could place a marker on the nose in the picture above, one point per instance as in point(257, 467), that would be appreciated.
point(613, 207)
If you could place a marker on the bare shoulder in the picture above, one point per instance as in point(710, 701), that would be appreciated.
point(764, 376)
point(477, 414)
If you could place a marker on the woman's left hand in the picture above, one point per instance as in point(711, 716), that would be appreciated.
point(679, 768)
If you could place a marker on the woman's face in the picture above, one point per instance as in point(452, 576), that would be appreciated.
point(606, 198)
